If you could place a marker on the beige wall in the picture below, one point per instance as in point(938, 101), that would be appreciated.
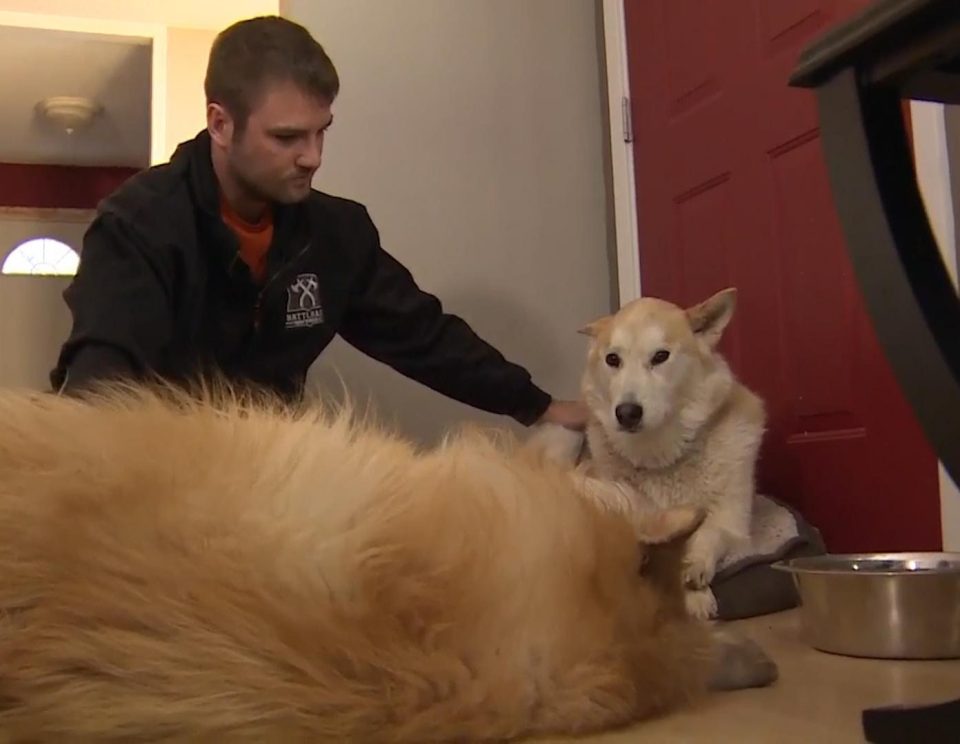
point(34, 321)
point(187, 53)
point(182, 32)
point(474, 132)
point(176, 13)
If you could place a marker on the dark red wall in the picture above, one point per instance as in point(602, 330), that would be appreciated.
point(64, 186)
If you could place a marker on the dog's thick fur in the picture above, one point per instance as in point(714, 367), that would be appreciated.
point(219, 569)
point(698, 440)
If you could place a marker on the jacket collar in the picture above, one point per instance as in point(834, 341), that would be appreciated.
point(289, 220)
point(195, 156)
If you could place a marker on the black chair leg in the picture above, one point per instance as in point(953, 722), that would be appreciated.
point(908, 292)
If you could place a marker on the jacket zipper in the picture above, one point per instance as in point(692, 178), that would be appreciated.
point(258, 303)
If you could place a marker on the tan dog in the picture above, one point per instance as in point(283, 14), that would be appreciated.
point(228, 571)
point(671, 426)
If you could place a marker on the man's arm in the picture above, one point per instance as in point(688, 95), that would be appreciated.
point(119, 301)
point(392, 320)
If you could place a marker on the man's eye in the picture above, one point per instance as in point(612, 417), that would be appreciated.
point(286, 139)
point(613, 360)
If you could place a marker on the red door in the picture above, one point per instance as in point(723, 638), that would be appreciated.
point(732, 190)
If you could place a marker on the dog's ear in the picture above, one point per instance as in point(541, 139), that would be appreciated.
point(597, 327)
point(709, 319)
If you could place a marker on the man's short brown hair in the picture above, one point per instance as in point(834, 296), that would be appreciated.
point(248, 55)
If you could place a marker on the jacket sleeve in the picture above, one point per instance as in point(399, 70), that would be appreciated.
point(392, 320)
point(120, 305)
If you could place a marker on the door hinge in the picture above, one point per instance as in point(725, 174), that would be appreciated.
point(627, 119)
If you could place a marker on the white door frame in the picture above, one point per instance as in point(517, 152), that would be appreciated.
point(624, 193)
point(933, 176)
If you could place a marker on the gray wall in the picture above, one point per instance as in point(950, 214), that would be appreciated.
point(474, 132)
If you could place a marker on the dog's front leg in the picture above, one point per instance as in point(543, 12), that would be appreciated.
point(608, 494)
point(700, 565)
point(703, 554)
point(727, 523)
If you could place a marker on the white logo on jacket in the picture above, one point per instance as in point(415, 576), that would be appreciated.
point(303, 302)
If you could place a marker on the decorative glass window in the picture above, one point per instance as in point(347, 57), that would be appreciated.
point(41, 257)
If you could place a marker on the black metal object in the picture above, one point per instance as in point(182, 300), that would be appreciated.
point(910, 45)
point(922, 724)
point(861, 71)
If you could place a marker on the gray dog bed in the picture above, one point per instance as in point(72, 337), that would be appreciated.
point(746, 584)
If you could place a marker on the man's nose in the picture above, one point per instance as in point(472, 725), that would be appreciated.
point(311, 155)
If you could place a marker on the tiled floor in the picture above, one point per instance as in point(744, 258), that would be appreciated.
point(817, 700)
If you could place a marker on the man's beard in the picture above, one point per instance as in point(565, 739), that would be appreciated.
point(255, 192)
point(251, 189)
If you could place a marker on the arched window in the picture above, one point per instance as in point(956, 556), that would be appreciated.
point(41, 257)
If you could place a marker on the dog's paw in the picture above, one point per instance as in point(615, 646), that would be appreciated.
point(701, 604)
point(697, 576)
point(740, 664)
point(700, 561)
point(698, 571)
point(556, 443)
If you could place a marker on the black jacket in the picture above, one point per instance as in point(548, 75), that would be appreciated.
point(161, 289)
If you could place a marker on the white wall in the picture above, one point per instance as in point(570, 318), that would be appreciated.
point(951, 137)
point(34, 320)
point(474, 132)
point(936, 133)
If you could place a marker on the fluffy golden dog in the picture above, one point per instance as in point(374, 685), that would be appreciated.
point(222, 569)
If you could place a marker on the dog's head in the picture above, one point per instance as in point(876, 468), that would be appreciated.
point(647, 357)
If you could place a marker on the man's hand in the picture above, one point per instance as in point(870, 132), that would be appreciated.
point(571, 414)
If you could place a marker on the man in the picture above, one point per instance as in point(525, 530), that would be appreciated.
point(226, 260)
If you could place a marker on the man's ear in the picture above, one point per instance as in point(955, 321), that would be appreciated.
point(219, 124)
point(709, 319)
point(597, 327)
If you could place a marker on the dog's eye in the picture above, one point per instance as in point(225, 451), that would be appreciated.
point(613, 360)
point(660, 357)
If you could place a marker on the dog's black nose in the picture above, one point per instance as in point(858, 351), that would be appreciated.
point(629, 415)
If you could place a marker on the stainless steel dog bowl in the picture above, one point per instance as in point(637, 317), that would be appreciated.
point(883, 605)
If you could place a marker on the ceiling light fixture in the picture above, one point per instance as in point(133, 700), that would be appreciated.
point(70, 113)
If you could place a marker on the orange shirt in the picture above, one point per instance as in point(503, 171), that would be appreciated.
point(254, 238)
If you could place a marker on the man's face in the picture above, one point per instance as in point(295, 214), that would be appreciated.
point(280, 149)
